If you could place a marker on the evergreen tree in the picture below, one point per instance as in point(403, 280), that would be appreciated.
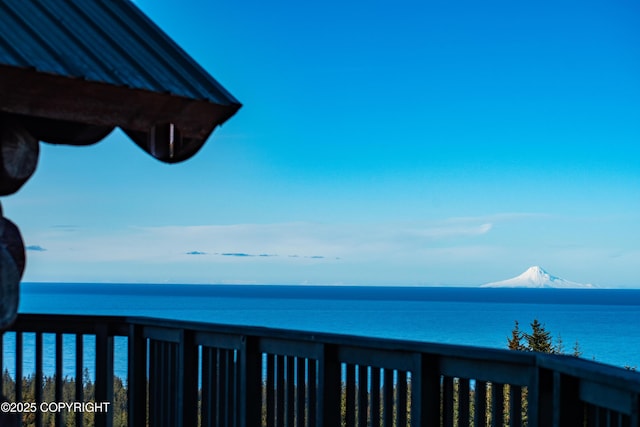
point(539, 339)
point(559, 348)
point(576, 350)
point(515, 342)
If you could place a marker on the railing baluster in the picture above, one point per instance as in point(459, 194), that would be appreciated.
point(153, 380)
point(165, 396)
point(164, 403)
point(301, 384)
point(2, 368)
point(375, 397)
point(59, 378)
point(312, 392)
point(207, 403)
point(606, 417)
point(220, 386)
point(156, 379)
point(170, 398)
point(387, 398)
point(79, 392)
point(447, 402)
point(463, 402)
point(401, 394)
point(163, 408)
point(38, 378)
point(601, 417)
point(280, 391)
point(166, 400)
point(270, 394)
point(233, 388)
point(226, 368)
point(497, 404)
point(480, 404)
point(363, 395)
point(591, 416)
point(290, 397)
point(19, 354)
point(288, 391)
point(515, 406)
point(350, 395)
point(236, 387)
point(173, 384)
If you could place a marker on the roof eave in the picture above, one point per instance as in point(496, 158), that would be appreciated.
point(31, 93)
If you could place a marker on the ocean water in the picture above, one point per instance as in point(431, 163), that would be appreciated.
point(605, 322)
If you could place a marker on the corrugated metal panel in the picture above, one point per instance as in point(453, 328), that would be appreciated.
point(108, 41)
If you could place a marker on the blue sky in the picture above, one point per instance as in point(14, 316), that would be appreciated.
point(380, 142)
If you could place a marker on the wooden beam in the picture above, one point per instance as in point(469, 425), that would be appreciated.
point(30, 93)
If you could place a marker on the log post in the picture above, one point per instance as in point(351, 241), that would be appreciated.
point(12, 262)
point(19, 152)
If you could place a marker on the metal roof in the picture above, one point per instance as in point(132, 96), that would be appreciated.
point(103, 62)
point(109, 41)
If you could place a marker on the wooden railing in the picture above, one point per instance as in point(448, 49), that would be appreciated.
point(192, 374)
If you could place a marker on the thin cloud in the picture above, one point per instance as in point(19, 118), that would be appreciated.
point(498, 217)
point(448, 231)
point(35, 248)
point(326, 241)
point(275, 242)
point(65, 227)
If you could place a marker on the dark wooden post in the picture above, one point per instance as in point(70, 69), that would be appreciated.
point(540, 411)
point(329, 388)
point(250, 382)
point(104, 375)
point(425, 391)
point(568, 408)
point(188, 380)
point(137, 376)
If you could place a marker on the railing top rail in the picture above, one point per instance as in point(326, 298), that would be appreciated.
point(591, 370)
point(71, 323)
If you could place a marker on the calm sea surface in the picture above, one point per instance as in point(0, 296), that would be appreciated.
point(605, 322)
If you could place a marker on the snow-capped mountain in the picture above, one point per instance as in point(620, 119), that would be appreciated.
point(536, 277)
